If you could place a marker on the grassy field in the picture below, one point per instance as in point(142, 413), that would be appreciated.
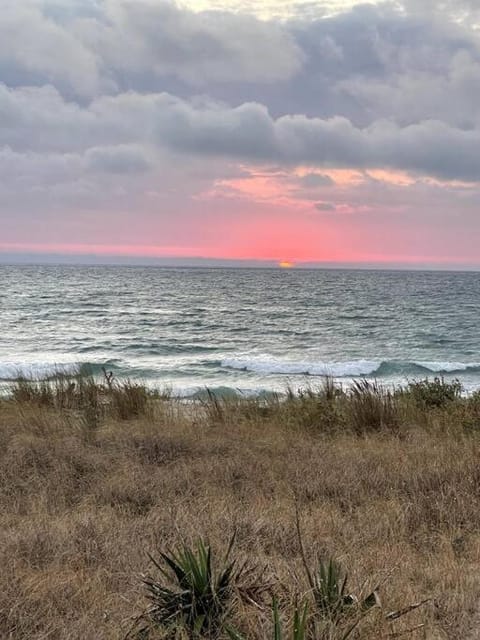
point(96, 478)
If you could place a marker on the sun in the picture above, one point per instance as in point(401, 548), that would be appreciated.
point(285, 264)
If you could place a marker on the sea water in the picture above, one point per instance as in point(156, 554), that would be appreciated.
point(244, 330)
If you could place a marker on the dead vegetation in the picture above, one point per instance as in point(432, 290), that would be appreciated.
point(94, 477)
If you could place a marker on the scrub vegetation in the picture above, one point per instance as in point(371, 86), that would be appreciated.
point(324, 514)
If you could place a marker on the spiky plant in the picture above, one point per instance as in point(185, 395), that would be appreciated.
point(299, 626)
point(332, 599)
point(328, 585)
point(297, 632)
point(193, 593)
point(302, 627)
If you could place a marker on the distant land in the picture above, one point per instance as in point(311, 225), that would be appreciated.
point(18, 258)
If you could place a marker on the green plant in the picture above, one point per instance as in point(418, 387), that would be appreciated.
point(299, 626)
point(434, 393)
point(317, 409)
point(329, 589)
point(334, 605)
point(193, 594)
point(298, 630)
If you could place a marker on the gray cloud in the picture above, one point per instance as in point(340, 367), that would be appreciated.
point(34, 50)
point(118, 159)
point(248, 132)
point(325, 206)
point(40, 120)
point(314, 180)
point(380, 61)
point(89, 48)
point(198, 48)
point(390, 60)
point(111, 106)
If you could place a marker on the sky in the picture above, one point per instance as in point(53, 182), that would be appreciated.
point(310, 132)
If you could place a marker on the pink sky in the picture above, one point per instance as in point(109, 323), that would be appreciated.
point(345, 137)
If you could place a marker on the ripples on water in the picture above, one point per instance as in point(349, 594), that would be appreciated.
point(248, 329)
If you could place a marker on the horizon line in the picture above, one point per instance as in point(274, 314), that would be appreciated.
point(8, 258)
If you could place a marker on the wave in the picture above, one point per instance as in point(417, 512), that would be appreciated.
point(284, 367)
point(49, 370)
point(36, 370)
point(266, 366)
point(348, 369)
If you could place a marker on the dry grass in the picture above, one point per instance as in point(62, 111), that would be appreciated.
point(389, 487)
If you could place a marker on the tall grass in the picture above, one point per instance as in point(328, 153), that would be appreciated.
point(93, 400)
point(372, 407)
point(197, 596)
point(95, 473)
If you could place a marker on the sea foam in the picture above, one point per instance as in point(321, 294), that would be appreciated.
point(274, 366)
point(35, 370)
point(347, 369)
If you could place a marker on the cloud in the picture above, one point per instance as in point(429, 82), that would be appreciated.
point(41, 120)
point(325, 206)
point(118, 159)
point(314, 180)
point(198, 48)
point(118, 111)
point(381, 61)
point(34, 50)
point(88, 48)
point(368, 63)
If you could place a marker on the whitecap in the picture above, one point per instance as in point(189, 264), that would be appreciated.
point(288, 367)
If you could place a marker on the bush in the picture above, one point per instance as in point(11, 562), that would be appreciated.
point(434, 393)
point(315, 409)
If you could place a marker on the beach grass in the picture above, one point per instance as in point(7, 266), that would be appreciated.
point(320, 514)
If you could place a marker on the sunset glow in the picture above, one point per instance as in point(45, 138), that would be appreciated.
point(258, 146)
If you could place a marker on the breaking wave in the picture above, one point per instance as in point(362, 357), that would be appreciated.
point(348, 369)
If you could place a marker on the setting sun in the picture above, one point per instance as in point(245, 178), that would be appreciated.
point(284, 264)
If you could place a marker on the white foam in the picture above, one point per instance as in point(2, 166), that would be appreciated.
point(447, 367)
point(34, 370)
point(287, 367)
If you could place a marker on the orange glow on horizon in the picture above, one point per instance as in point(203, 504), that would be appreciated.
point(242, 252)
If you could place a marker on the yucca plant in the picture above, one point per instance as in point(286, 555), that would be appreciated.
point(299, 626)
point(302, 628)
point(328, 584)
point(297, 632)
point(193, 594)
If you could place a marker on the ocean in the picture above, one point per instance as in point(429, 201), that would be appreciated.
point(245, 331)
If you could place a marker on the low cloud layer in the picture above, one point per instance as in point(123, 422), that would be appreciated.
point(150, 114)
point(120, 132)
